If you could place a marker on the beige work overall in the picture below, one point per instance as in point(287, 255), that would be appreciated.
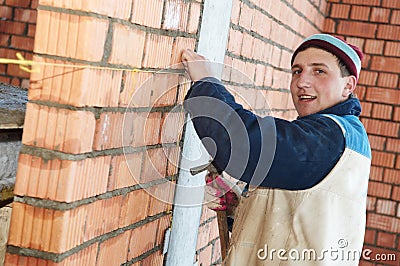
point(323, 225)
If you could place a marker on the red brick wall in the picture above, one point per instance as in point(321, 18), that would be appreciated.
point(101, 143)
point(17, 31)
point(76, 201)
point(375, 26)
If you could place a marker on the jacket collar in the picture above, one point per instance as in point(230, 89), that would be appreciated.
point(351, 106)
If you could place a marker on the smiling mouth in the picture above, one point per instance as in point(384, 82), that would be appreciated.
point(307, 97)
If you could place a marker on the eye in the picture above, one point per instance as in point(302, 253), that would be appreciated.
point(320, 71)
point(296, 71)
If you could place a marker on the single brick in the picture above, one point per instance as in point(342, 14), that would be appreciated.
point(377, 142)
point(164, 89)
point(235, 41)
point(360, 12)
point(172, 127)
point(136, 90)
point(392, 175)
point(382, 111)
point(133, 207)
point(388, 80)
point(246, 16)
point(137, 127)
point(194, 17)
point(173, 157)
point(142, 239)
point(6, 12)
point(102, 217)
point(388, 32)
point(386, 207)
point(147, 12)
point(395, 17)
point(51, 26)
point(371, 203)
point(363, 2)
point(18, 3)
point(205, 256)
point(156, 258)
point(74, 133)
point(374, 46)
point(396, 116)
point(113, 251)
point(127, 46)
point(180, 44)
point(125, 171)
point(382, 159)
point(383, 222)
point(23, 43)
point(382, 128)
point(396, 197)
point(108, 131)
point(163, 224)
point(392, 49)
point(368, 78)
point(247, 46)
point(161, 198)
point(154, 165)
point(382, 95)
point(366, 108)
point(391, 4)
point(359, 29)
point(75, 86)
point(340, 11)
point(203, 235)
point(119, 9)
point(176, 13)
point(157, 51)
point(25, 15)
point(380, 15)
point(369, 237)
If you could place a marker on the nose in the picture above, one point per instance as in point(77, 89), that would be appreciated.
point(303, 80)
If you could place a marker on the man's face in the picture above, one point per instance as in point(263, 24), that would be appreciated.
point(317, 83)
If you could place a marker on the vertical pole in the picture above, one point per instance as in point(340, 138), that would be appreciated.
point(189, 193)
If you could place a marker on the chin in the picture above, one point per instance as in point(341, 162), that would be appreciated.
point(301, 114)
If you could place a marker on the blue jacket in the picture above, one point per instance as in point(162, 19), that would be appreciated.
point(266, 151)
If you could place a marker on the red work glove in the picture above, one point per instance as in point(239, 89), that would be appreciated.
point(221, 194)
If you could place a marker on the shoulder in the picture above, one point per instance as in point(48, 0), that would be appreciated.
point(354, 133)
point(311, 125)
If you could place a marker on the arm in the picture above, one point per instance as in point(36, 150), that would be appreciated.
point(269, 151)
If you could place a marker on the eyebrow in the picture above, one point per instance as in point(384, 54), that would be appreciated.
point(313, 64)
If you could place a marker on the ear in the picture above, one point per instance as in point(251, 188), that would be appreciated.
point(350, 86)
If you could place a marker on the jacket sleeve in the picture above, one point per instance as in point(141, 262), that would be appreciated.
point(264, 151)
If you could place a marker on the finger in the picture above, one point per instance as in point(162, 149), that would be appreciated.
point(187, 55)
point(215, 192)
point(211, 191)
point(216, 207)
point(185, 65)
point(209, 178)
point(215, 202)
point(227, 185)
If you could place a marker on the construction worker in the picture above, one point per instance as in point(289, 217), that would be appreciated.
point(306, 200)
